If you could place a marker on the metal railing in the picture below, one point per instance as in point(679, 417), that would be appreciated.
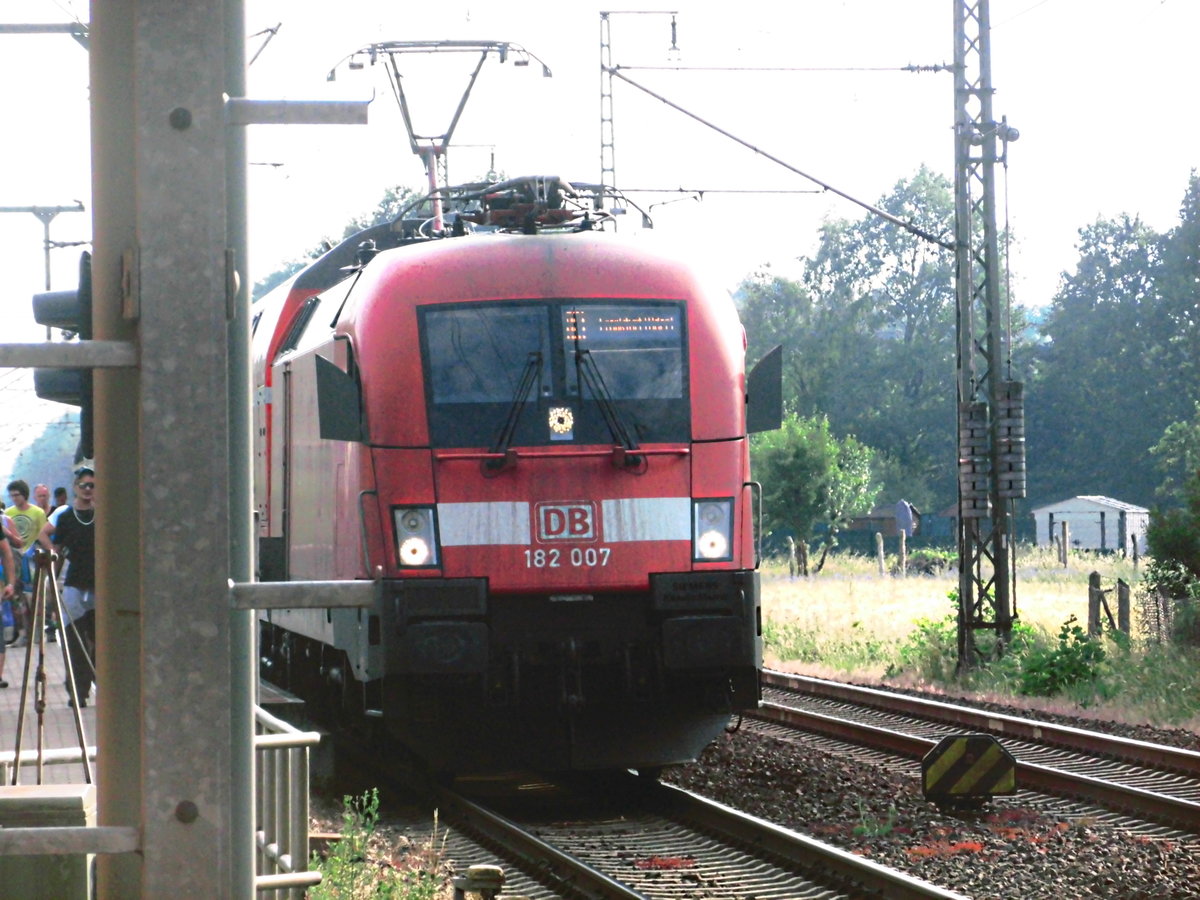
point(57, 756)
point(281, 810)
point(281, 806)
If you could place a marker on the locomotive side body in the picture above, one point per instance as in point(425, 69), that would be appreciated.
point(538, 443)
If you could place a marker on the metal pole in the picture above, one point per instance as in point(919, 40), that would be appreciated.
point(46, 245)
point(243, 655)
point(118, 448)
point(1001, 543)
point(168, 729)
point(990, 422)
point(608, 165)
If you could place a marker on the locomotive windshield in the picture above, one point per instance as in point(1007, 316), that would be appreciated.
point(477, 363)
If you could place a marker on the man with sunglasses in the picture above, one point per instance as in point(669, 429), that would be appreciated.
point(72, 529)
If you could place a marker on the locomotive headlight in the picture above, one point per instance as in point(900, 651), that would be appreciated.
point(414, 552)
point(712, 529)
point(416, 536)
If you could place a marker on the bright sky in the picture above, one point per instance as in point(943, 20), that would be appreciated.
point(1100, 90)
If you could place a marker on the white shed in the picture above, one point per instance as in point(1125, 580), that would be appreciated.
point(1095, 523)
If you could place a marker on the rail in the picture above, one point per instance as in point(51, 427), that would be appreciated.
point(281, 806)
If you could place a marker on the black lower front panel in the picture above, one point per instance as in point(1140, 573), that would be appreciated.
point(609, 681)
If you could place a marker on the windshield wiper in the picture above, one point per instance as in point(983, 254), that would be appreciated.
point(589, 373)
point(533, 368)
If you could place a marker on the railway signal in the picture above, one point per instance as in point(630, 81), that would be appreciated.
point(967, 770)
point(70, 311)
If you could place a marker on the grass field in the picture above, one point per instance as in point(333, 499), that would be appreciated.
point(850, 622)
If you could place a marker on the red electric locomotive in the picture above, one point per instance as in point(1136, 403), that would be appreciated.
point(534, 433)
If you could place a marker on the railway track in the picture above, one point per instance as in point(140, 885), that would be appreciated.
point(625, 838)
point(1157, 783)
point(620, 836)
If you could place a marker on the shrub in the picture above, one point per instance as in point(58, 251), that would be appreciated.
point(1169, 603)
point(930, 650)
point(1077, 658)
point(1173, 578)
point(348, 872)
point(931, 561)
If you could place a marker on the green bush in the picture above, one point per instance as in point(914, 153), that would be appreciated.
point(1174, 572)
point(1077, 659)
point(930, 650)
point(932, 560)
point(348, 873)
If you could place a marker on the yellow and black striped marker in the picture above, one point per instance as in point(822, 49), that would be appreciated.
point(967, 769)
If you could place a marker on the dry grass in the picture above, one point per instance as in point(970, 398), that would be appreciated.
point(849, 599)
point(854, 620)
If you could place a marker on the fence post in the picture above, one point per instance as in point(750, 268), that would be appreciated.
point(903, 554)
point(1094, 597)
point(1133, 538)
point(1066, 542)
point(879, 550)
point(1122, 606)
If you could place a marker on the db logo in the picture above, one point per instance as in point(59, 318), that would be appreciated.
point(566, 522)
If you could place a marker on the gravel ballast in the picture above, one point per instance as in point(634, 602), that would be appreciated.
point(1005, 850)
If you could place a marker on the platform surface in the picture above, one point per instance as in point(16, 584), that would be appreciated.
point(57, 723)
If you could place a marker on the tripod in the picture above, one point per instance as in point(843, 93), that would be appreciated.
point(46, 591)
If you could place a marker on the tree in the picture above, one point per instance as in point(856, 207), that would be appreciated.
point(389, 208)
point(811, 478)
point(1177, 456)
point(1174, 533)
point(869, 335)
point(779, 311)
point(905, 287)
point(1175, 356)
point(1174, 571)
point(1088, 375)
point(1118, 361)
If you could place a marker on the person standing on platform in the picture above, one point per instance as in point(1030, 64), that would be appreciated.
point(29, 520)
point(28, 517)
point(9, 528)
point(41, 497)
point(72, 528)
point(8, 558)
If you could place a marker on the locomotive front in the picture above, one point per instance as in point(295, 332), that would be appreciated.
point(551, 478)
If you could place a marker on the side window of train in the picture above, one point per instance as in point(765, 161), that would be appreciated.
point(292, 339)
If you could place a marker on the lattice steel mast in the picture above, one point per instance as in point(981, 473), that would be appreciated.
point(608, 164)
point(991, 431)
point(608, 149)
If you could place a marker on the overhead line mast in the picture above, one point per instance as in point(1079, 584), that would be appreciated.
point(608, 161)
point(991, 429)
